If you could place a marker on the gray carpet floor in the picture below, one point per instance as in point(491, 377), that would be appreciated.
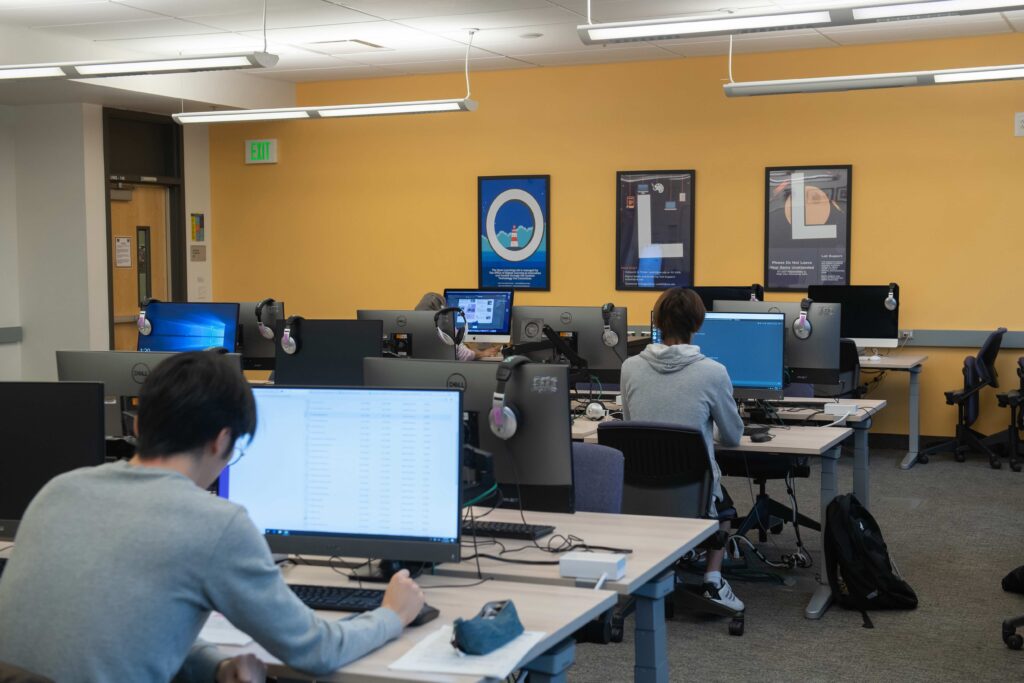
point(954, 530)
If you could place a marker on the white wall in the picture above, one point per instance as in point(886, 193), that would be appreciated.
point(10, 354)
point(61, 218)
point(197, 200)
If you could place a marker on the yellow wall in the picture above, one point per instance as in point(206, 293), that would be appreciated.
point(373, 212)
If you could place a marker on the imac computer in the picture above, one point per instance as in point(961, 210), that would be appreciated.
point(176, 326)
point(581, 328)
point(814, 360)
point(750, 346)
point(866, 319)
point(708, 295)
point(328, 352)
point(539, 456)
point(48, 428)
point(354, 472)
point(410, 334)
point(488, 313)
point(121, 373)
point(258, 351)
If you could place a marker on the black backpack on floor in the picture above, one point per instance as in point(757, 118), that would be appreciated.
point(860, 572)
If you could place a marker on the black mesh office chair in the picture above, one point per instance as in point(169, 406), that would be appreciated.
point(1011, 437)
point(979, 372)
point(668, 473)
point(849, 371)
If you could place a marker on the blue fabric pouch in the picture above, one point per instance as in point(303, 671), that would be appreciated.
point(497, 624)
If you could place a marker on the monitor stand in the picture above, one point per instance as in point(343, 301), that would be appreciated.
point(385, 569)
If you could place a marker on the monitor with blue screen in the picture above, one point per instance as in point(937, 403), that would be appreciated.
point(178, 326)
point(354, 472)
point(488, 313)
point(749, 345)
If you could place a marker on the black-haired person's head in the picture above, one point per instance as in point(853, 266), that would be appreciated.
point(678, 313)
point(189, 400)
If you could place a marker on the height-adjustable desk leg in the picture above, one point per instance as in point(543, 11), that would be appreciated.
point(913, 419)
point(822, 597)
point(553, 665)
point(651, 647)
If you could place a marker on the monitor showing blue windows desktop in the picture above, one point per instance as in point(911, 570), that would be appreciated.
point(488, 313)
point(750, 346)
point(179, 326)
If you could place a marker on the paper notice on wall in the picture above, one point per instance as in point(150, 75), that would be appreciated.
point(123, 252)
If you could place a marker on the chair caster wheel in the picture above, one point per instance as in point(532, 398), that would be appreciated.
point(1014, 642)
point(1015, 466)
point(923, 459)
point(959, 456)
point(995, 464)
point(736, 627)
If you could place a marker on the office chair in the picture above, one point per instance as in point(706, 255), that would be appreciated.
point(979, 372)
point(1011, 437)
point(597, 478)
point(849, 371)
point(13, 674)
point(667, 473)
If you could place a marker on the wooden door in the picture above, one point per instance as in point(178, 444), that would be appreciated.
point(139, 240)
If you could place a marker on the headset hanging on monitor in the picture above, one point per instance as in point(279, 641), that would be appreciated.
point(890, 298)
point(802, 326)
point(290, 336)
point(265, 330)
point(504, 417)
point(144, 324)
point(458, 333)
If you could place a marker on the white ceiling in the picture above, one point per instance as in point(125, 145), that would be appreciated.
point(316, 38)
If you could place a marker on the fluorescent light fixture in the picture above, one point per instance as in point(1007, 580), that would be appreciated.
point(873, 81)
point(661, 29)
point(923, 10)
point(138, 67)
point(346, 110)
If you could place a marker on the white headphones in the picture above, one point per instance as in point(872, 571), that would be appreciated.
point(596, 411)
point(144, 324)
point(608, 336)
point(503, 418)
point(890, 298)
point(266, 331)
point(289, 338)
point(802, 326)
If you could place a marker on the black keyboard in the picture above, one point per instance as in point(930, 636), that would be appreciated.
point(338, 598)
point(516, 531)
point(750, 430)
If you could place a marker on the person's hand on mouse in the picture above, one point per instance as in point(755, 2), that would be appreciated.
point(403, 596)
point(242, 669)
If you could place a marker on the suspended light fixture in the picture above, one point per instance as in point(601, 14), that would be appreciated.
point(140, 67)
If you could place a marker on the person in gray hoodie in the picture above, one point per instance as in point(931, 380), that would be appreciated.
point(674, 382)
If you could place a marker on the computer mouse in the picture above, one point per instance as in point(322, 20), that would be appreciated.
point(427, 613)
point(761, 437)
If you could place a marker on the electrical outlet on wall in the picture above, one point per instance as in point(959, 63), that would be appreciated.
point(906, 334)
point(1018, 124)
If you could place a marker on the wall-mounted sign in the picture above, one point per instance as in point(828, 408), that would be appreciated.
point(654, 229)
point(261, 151)
point(514, 232)
point(122, 252)
point(198, 227)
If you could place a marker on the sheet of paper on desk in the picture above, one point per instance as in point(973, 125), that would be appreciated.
point(220, 631)
point(435, 654)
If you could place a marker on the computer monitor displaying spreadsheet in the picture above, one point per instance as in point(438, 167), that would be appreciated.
point(356, 472)
point(750, 346)
point(488, 313)
point(178, 326)
point(47, 428)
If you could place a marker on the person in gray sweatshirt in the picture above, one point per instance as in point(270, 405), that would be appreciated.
point(117, 567)
point(673, 382)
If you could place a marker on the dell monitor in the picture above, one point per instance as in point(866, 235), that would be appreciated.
point(47, 428)
point(814, 360)
point(355, 472)
point(121, 373)
point(328, 352)
point(750, 346)
point(581, 328)
point(537, 461)
point(258, 351)
point(176, 326)
point(866, 319)
point(708, 295)
point(488, 313)
point(410, 334)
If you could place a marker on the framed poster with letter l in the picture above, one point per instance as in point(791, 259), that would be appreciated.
point(514, 232)
point(654, 229)
point(807, 226)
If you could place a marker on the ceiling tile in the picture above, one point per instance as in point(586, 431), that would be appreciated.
point(281, 14)
point(185, 8)
point(630, 10)
point(123, 30)
point(331, 74)
point(45, 15)
point(455, 67)
point(383, 33)
point(510, 41)
point(756, 42)
point(617, 54)
point(919, 29)
point(406, 9)
point(493, 20)
point(386, 57)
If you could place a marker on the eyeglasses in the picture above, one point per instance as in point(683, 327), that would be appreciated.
point(238, 452)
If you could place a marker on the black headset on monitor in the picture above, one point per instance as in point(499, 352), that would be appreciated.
point(266, 331)
point(504, 417)
point(608, 336)
point(290, 336)
point(459, 332)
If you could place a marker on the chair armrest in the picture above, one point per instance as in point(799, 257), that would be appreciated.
point(961, 395)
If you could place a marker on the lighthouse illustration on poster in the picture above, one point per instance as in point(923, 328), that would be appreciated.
point(514, 232)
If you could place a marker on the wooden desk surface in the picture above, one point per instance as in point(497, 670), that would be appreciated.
point(656, 543)
point(894, 362)
point(795, 440)
point(557, 611)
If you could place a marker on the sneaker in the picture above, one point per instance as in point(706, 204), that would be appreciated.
point(723, 595)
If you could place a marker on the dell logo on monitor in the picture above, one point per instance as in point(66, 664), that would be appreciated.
point(456, 381)
point(401, 321)
point(140, 371)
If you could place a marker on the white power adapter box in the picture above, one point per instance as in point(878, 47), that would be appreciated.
point(841, 409)
point(592, 566)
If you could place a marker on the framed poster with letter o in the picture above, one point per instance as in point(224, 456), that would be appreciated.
point(654, 229)
point(514, 232)
point(807, 226)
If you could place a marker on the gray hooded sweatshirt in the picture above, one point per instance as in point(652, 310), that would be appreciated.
point(679, 384)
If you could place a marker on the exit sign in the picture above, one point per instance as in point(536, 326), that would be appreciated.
point(261, 151)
